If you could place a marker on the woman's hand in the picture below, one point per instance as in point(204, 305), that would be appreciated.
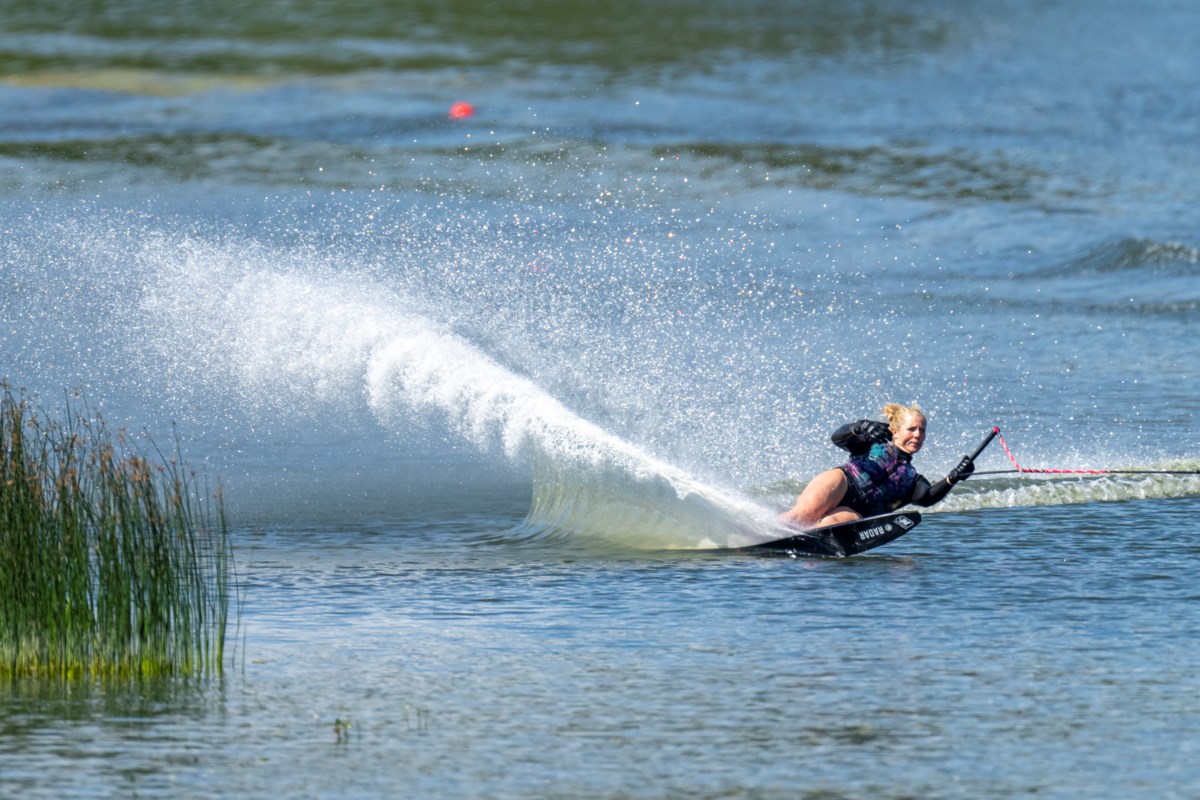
point(871, 431)
point(962, 471)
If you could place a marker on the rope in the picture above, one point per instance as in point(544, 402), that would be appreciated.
point(1030, 470)
point(1013, 459)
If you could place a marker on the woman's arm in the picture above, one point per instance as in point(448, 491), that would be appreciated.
point(926, 495)
point(857, 437)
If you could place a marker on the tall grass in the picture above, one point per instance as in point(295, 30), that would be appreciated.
point(111, 563)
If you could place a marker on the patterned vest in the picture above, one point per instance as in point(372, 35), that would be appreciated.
point(883, 478)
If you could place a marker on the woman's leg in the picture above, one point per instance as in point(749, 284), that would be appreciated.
point(820, 502)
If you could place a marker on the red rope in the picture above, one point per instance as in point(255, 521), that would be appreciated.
point(1013, 459)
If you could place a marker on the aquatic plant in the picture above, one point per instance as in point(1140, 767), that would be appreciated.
point(111, 562)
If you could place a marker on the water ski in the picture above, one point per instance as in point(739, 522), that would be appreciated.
point(846, 539)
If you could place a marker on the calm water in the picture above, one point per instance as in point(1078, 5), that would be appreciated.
point(489, 396)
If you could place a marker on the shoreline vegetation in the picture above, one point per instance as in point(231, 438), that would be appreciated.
point(112, 563)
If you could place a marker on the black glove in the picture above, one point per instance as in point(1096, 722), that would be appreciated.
point(962, 471)
point(871, 431)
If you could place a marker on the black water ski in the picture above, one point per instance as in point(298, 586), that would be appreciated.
point(847, 539)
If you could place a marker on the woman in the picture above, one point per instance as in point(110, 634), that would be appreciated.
point(879, 477)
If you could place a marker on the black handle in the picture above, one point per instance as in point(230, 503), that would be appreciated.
point(984, 443)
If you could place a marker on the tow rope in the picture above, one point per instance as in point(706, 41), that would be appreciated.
point(1035, 471)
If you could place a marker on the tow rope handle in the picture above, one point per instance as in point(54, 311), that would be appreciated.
point(988, 440)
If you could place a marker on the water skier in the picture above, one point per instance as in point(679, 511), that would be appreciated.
point(879, 477)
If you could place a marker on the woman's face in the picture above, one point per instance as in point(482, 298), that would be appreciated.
point(910, 435)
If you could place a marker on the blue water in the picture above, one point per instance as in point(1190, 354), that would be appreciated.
point(490, 399)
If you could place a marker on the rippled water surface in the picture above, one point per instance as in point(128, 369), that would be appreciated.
point(1039, 651)
point(494, 400)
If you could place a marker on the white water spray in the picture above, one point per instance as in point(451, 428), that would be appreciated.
point(305, 337)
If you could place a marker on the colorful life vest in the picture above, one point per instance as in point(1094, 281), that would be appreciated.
point(882, 479)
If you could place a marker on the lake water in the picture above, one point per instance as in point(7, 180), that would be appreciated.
point(492, 398)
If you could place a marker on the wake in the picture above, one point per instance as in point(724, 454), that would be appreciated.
point(1016, 492)
point(296, 338)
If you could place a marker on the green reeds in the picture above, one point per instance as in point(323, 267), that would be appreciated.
point(110, 564)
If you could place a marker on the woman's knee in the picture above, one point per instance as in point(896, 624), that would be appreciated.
point(823, 494)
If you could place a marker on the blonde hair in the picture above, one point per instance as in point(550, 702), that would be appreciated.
point(896, 413)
